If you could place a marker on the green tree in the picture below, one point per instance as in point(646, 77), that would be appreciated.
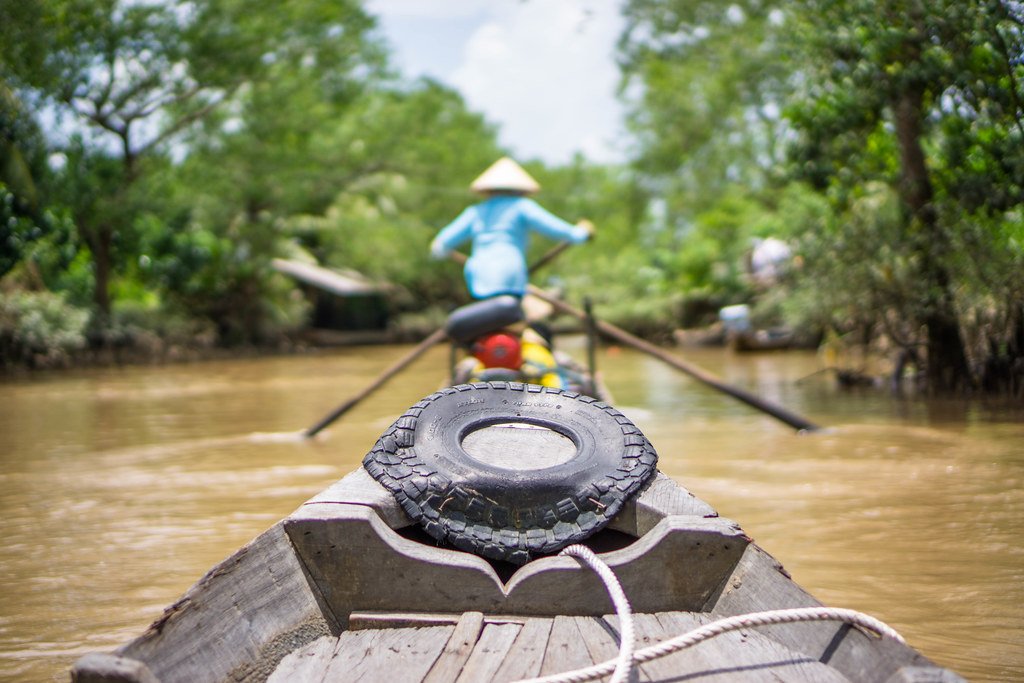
point(397, 166)
point(22, 153)
point(134, 77)
point(705, 84)
point(925, 98)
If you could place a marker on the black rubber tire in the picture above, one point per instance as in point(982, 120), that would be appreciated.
point(506, 514)
point(468, 322)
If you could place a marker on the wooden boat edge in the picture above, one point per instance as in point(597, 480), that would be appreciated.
point(273, 596)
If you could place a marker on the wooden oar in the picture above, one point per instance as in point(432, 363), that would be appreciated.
point(792, 419)
point(400, 365)
point(550, 256)
point(437, 337)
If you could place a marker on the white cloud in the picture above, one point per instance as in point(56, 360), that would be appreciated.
point(433, 9)
point(544, 71)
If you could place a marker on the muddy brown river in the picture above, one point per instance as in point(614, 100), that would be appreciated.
point(120, 488)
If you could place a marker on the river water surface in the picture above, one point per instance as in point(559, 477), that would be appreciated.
point(120, 488)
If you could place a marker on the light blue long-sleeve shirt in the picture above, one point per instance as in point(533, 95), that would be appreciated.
point(499, 228)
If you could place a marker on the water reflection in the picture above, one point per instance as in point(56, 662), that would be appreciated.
point(118, 489)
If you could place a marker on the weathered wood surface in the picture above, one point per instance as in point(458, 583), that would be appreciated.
point(236, 623)
point(565, 650)
point(460, 646)
point(519, 446)
point(396, 656)
point(761, 583)
point(335, 593)
point(750, 654)
point(358, 488)
point(601, 639)
point(373, 619)
point(502, 652)
point(524, 658)
point(359, 564)
point(495, 642)
point(661, 498)
point(102, 666)
point(307, 663)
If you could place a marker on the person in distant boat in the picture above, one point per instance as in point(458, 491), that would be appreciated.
point(499, 227)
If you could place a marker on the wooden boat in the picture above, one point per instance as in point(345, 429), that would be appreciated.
point(761, 340)
point(710, 336)
point(349, 588)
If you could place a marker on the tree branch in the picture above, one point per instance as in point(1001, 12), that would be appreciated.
point(99, 118)
point(111, 55)
point(148, 108)
point(123, 97)
point(187, 120)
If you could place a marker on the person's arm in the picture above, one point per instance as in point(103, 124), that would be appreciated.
point(550, 225)
point(453, 234)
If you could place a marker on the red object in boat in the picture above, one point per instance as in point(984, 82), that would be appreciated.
point(498, 350)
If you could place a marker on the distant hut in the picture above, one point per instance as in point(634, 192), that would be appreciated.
point(343, 300)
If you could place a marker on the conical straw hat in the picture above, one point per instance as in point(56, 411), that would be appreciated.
point(505, 174)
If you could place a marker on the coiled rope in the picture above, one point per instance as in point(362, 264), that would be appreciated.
point(621, 667)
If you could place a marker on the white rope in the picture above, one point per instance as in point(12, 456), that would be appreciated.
point(622, 666)
point(697, 635)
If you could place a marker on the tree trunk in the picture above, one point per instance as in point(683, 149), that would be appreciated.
point(100, 242)
point(947, 369)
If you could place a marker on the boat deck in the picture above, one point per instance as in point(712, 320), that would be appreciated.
point(441, 648)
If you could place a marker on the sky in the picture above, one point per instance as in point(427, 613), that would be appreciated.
point(543, 70)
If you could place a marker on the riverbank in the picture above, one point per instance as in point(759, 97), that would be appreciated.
point(150, 350)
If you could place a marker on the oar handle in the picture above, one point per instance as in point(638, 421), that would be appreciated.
point(547, 258)
point(550, 256)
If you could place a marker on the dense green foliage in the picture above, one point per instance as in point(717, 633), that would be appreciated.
point(208, 138)
point(39, 329)
point(884, 138)
point(156, 157)
point(924, 99)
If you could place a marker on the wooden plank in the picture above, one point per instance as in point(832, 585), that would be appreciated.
point(526, 655)
point(352, 650)
point(565, 650)
point(395, 655)
point(458, 649)
point(681, 564)
point(704, 662)
point(358, 621)
point(761, 583)
point(648, 631)
point(659, 498)
point(104, 667)
point(519, 445)
point(357, 488)
point(495, 642)
point(745, 654)
point(239, 621)
point(308, 663)
point(359, 564)
point(601, 639)
point(362, 621)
